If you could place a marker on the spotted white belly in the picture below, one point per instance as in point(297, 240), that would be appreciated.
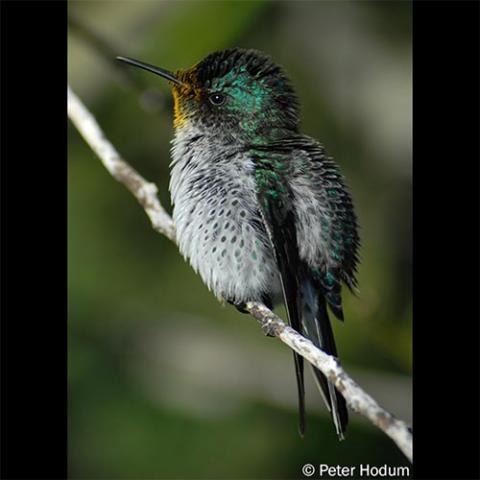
point(217, 222)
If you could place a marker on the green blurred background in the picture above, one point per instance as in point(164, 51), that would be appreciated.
point(164, 382)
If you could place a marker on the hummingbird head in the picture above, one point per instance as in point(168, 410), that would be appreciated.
point(234, 93)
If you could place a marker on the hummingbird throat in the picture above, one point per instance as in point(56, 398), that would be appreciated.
point(184, 93)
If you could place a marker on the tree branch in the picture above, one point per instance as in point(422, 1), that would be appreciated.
point(146, 194)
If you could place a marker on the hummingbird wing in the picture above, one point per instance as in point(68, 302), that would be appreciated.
point(279, 222)
point(328, 240)
point(326, 222)
point(308, 214)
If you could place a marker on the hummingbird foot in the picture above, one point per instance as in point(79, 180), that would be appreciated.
point(268, 329)
point(240, 306)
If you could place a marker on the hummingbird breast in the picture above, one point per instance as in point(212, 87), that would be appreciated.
point(217, 219)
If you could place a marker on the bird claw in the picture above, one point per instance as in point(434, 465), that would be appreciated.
point(268, 329)
point(240, 306)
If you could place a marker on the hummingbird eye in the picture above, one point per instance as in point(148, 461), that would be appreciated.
point(216, 98)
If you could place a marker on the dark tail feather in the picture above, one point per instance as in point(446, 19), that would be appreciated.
point(281, 230)
point(294, 318)
point(319, 330)
point(301, 392)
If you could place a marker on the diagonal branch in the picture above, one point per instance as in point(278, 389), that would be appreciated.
point(146, 194)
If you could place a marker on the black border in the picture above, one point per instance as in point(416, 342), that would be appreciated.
point(33, 161)
point(446, 240)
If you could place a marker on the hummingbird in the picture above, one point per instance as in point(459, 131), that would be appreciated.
point(261, 212)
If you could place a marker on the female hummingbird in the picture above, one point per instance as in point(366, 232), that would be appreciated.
point(261, 212)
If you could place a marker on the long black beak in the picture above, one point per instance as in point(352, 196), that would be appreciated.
point(151, 68)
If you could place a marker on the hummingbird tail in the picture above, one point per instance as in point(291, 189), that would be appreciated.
point(319, 330)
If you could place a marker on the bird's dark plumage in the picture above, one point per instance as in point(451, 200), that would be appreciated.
point(306, 288)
